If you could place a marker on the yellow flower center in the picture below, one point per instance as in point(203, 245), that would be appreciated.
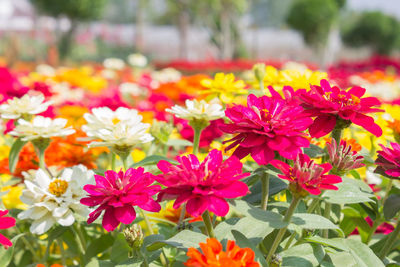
point(115, 121)
point(58, 187)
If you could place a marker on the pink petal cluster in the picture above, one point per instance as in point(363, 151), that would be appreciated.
point(202, 186)
point(118, 193)
point(342, 158)
point(5, 222)
point(328, 104)
point(307, 175)
point(267, 125)
point(388, 161)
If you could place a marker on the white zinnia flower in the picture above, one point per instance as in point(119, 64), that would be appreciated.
point(105, 118)
point(123, 136)
point(117, 129)
point(41, 127)
point(114, 64)
point(26, 105)
point(55, 200)
point(198, 110)
point(137, 60)
point(131, 89)
point(166, 75)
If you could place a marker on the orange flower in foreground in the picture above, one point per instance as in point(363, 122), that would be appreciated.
point(214, 256)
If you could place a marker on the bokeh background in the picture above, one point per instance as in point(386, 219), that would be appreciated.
point(319, 31)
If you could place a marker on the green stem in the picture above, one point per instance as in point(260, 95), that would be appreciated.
point(387, 191)
point(290, 240)
point(391, 240)
point(282, 231)
point(265, 190)
point(113, 158)
point(62, 252)
point(125, 162)
point(208, 224)
point(28, 245)
point(327, 214)
point(375, 225)
point(145, 262)
point(42, 163)
point(196, 139)
point(81, 242)
point(151, 231)
point(337, 135)
point(182, 215)
point(146, 220)
point(313, 205)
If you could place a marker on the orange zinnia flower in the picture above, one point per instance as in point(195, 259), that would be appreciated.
point(214, 256)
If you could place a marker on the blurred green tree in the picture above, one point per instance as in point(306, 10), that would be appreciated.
point(75, 10)
point(314, 19)
point(374, 29)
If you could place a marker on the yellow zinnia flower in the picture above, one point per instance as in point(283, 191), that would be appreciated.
point(224, 86)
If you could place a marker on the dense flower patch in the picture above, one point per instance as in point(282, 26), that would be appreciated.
point(277, 165)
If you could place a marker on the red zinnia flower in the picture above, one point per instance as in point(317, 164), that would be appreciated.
point(214, 256)
point(329, 104)
point(306, 174)
point(388, 161)
point(118, 193)
point(202, 185)
point(5, 222)
point(266, 125)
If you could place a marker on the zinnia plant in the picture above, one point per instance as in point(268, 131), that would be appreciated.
point(202, 186)
point(334, 107)
point(118, 193)
point(267, 125)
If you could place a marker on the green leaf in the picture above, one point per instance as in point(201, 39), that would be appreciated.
point(243, 242)
point(179, 142)
point(269, 218)
point(6, 255)
point(98, 245)
point(391, 206)
point(120, 249)
point(152, 160)
point(362, 254)
point(183, 240)
point(255, 233)
point(304, 255)
point(336, 243)
point(102, 263)
point(14, 154)
point(349, 191)
point(339, 259)
point(314, 151)
point(311, 221)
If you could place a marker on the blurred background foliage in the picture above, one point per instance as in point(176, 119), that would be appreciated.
point(233, 29)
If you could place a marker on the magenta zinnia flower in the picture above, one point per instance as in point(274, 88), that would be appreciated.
point(307, 175)
point(267, 125)
point(5, 222)
point(203, 186)
point(388, 161)
point(329, 104)
point(118, 193)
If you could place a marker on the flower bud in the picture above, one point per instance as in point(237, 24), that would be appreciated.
point(161, 131)
point(259, 71)
point(343, 158)
point(276, 261)
point(134, 236)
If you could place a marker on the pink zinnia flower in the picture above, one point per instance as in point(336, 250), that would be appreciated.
point(307, 175)
point(5, 222)
point(118, 193)
point(203, 186)
point(267, 125)
point(330, 104)
point(388, 161)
